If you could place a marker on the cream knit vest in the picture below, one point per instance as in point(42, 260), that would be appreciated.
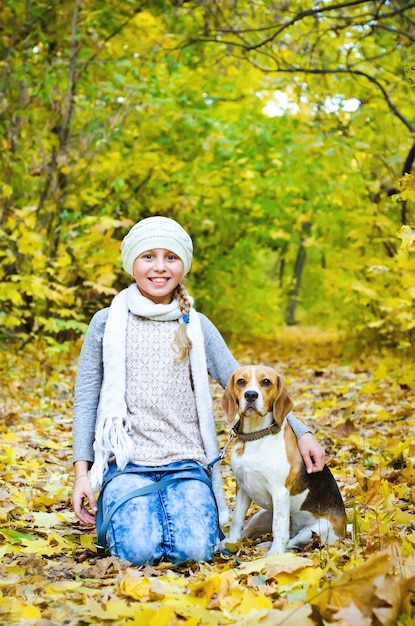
point(160, 399)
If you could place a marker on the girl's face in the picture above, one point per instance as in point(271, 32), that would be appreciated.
point(157, 274)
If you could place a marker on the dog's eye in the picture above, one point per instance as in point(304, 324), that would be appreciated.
point(266, 382)
point(241, 382)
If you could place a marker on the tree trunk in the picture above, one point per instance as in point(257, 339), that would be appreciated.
point(298, 271)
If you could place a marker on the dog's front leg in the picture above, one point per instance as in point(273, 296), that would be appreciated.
point(280, 521)
point(242, 504)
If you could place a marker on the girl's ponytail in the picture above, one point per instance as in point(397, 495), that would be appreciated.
point(181, 342)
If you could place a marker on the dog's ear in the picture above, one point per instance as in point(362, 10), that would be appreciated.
point(282, 403)
point(228, 402)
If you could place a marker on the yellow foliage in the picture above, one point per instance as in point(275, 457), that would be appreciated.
point(367, 577)
point(407, 187)
point(159, 616)
point(275, 564)
point(358, 585)
point(138, 587)
point(214, 589)
point(110, 611)
point(407, 234)
point(300, 616)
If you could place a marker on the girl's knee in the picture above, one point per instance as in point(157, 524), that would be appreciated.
point(136, 552)
point(193, 544)
point(140, 553)
point(134, 542)
point(195, 552)
point(135, 558)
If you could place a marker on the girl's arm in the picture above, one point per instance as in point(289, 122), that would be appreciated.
point(220, 361)
point(86, 398)
point(87, 389)
point(312, 452)
point(82, 492)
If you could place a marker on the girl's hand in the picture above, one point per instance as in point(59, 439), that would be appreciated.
point(312, 453)
point(82, 491)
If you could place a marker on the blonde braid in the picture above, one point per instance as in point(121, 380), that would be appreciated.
point(181, 342)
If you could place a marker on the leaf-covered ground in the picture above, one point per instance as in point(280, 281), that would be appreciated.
point(362, 412)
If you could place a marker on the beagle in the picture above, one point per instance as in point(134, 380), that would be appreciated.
point(270, 471)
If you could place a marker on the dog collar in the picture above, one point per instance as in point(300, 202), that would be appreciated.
point(258, 434)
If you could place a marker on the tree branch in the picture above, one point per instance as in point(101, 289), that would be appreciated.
point(303, 70)
point(299, 16)
point(68, 104)
point(303, 14)
point(107, 39)
point(401, 33)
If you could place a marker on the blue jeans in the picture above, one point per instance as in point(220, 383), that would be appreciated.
point(178, 523)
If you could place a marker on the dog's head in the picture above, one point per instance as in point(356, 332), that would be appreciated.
point(256, 390)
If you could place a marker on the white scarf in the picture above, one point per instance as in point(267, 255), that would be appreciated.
point(113, 426)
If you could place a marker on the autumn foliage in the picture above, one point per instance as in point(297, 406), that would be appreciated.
point(281, 135)
point(362, 412)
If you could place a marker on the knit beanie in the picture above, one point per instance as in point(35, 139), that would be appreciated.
point(156, 232)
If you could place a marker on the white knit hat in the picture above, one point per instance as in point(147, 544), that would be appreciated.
point(156, 232)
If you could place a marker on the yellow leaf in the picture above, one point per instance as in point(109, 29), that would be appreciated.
point(286, 578)
point(275, 564)
point(16, 608)
point(4, 515)
point(10, 456)
point(355, 586)
point(253, 601)
point(8, 549)
point(45, 520)
point(403, 517)
point(9, 437)
point(242, 601)
point(362, 288)
point(160, 616)
point(30, 612)
point(134, 585)
point(37, 546)
point(6, 190)
point(311, 575)
point(407, 187)
point(199, 615)
point(88, 541)
point(192, 621)
point(407, 234)
point(295, 617)
point(114, 609)
point(19, 497)
point(48, 443)
point(62, 585)
point(214, 589)
point(53, 544)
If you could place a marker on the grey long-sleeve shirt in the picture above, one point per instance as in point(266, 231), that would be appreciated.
point(219, 361)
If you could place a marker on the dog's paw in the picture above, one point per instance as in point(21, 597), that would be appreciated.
point(221, 546)
point(226, 546)
point(278, 549)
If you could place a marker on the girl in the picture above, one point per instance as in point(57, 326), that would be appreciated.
point(143, 414)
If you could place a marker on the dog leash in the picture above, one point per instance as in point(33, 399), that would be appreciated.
point(222, 453)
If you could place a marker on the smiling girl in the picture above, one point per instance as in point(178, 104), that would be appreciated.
point(144, 433)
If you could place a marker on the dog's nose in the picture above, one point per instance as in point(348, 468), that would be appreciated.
point(250, 396)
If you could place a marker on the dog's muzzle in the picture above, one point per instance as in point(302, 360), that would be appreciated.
point(250, 396)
